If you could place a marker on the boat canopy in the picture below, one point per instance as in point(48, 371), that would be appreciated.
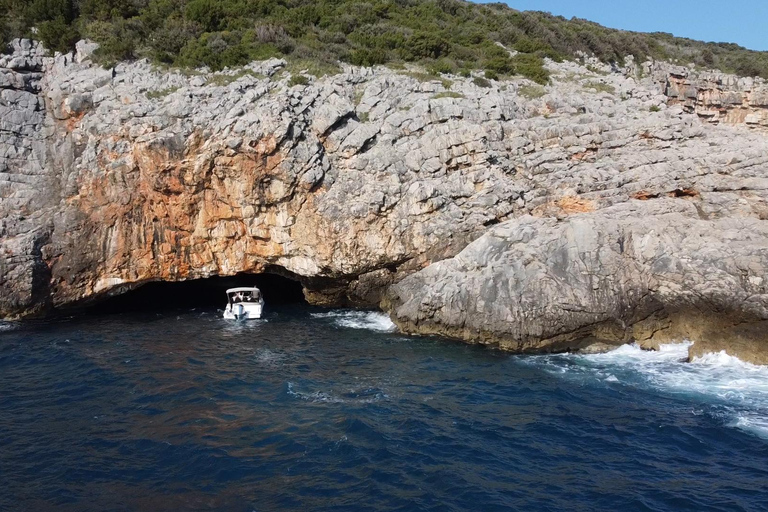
point(243, 294)
point(243, 289)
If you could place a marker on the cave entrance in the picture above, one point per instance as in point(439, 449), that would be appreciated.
point(204, 293)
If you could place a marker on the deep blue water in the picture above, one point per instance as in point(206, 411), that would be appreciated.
point(308, 411)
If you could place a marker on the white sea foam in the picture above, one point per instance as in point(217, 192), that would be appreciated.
point(7, 326)
point(371, 320)
point(362, 396)
point(739, 389)
point(633, 355)
point(752, 423)
point(317, 396)
point(269, 357)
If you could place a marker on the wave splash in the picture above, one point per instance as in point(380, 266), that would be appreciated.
point(371, 320)
point(735, 389)
point(359, 396)
point(7, 326)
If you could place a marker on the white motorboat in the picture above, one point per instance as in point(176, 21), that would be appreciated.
point(243, 304)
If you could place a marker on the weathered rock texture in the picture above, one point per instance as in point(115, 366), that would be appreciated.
point(110, 178)
point(650, 272)
point(716, 97)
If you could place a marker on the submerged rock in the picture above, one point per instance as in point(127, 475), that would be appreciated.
point(592, 193)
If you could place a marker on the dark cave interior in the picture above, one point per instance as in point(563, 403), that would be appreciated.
point(203, 293)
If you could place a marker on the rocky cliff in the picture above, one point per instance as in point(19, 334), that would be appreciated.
point(650, 273)
point(715, 97)
point(584, 199)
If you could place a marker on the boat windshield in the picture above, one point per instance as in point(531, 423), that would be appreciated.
point(245, 296)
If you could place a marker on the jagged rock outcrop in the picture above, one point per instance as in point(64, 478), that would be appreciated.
point(647, 271)
point(110, 178)
point(714, 96)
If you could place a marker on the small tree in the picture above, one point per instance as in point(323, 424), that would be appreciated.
point(58, 35)
point(5, 34)
point(366, 57)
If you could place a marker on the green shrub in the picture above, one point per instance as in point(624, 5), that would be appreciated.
point(655, 108)
point(5, 34)
point(531, 92)
point(421, 77)
point(209, 14)
point(316, 68)
point(491, 74)
point(442, 66)
point(58, 35)
point(365, 57)
point(447, 94)
point(298, 80)
point(601, 87)
point(499, 65)
point(439, 34)
point(528, 45)
point(119, 40)
point(481, 82)
point(105, 9)
point(160, 93)
point(531, 67)
point(217, 51)
point(167, 41)
point(747, 67)
point(424, 45)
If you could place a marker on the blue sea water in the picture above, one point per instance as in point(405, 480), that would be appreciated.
point(333, 410)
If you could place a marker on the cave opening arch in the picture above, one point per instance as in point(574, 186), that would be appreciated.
point(204, 293)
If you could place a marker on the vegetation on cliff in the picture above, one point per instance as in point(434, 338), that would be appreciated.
point(444, 35)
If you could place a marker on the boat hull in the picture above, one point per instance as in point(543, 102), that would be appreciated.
point(244, 311)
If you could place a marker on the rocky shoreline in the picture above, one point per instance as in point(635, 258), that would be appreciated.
point(611, 205)
point(649, 273)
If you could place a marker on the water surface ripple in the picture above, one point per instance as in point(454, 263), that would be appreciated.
point(318, 410)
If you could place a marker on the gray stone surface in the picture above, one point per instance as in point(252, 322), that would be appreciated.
point(634, 271)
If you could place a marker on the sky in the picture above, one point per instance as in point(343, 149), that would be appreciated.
point(744, 22)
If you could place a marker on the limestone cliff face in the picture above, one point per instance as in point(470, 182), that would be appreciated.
point(110, 178)
point(135, 174)
point(716, 97)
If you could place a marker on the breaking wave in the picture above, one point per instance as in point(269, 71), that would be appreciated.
point(7, 326)
point(371, 320)
point(734, 390)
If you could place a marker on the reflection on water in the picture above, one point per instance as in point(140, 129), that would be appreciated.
point(308, 409)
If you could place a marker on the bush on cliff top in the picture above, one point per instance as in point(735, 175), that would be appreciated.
point(445, 35)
